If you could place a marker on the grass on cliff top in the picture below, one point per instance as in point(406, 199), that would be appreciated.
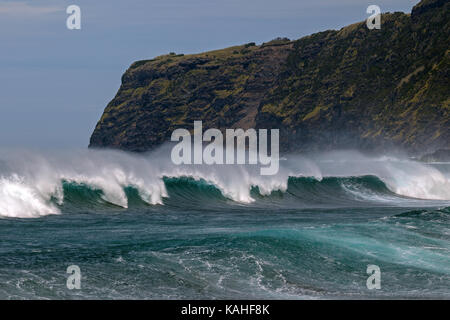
point(214, 55)
point(221, 54)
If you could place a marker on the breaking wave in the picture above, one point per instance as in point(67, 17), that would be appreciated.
point(33, 184)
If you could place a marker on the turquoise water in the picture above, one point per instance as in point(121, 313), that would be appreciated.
point(312, 238)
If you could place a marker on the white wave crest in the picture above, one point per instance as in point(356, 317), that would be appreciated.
point(20, 200)
point(402, 176)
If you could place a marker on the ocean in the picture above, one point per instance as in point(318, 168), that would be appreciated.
point(139, 227)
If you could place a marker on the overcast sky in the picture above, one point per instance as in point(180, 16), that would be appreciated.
point(55, 82)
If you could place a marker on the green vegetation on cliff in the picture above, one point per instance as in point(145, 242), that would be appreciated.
point(354, 88)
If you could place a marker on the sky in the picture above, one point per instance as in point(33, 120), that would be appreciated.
point(56, 82)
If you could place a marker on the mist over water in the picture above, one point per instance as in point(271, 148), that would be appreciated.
point(140, 227)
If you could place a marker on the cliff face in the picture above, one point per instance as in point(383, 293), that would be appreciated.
point(223, 88)
point(352, 88)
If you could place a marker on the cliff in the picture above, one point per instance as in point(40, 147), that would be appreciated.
point(348, 88)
